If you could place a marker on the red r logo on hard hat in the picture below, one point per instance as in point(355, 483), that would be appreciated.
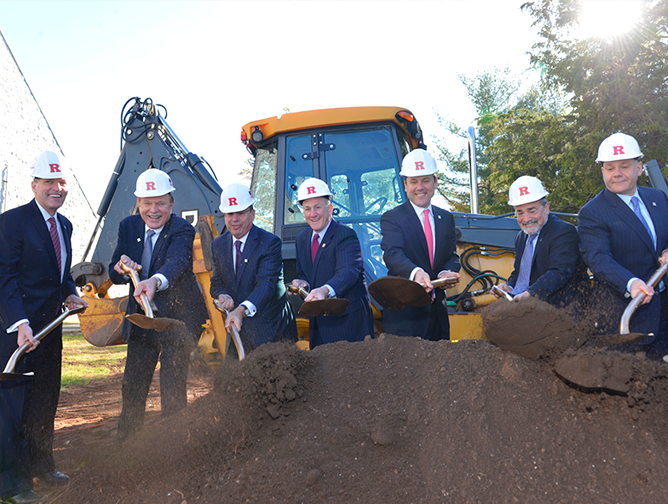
point(150, 186)
point(617, 150)
point(310, 190)
point(55, 168)
point(419, 165)
point(524, 191)
point(233, 201)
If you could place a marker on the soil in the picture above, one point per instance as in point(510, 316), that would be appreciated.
point(387, 420)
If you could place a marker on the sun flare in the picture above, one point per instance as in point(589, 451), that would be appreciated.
point(606, 18)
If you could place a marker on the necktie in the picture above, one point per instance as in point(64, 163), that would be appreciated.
point(638, 212)
point(55, 238)
point(430, 237)
point(146, 254)
point(237, 245)
point(524, 276)
point(314, 247)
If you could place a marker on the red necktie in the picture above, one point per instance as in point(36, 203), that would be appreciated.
point(429, 236)
point(55, 238)
point(237, 244)
point(314, 247)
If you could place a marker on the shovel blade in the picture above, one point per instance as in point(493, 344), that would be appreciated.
point(15, 376)
point(396, 293)
point(335, 306)
point(160, 324)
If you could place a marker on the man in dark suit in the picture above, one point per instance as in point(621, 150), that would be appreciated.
point(329, 262)
point(623, 239)
point(35, 281)
point(163, 244)
point(547, 259)
point(420, 243)
point(247, 278)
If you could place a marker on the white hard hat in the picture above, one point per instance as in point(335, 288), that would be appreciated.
point(49, 165)
point(417, 163)
point(618, 146)
point(235, 198)
point(525, 190)
point(313, 188)
point(153, 182)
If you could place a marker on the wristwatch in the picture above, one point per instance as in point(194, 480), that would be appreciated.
point(158, 281)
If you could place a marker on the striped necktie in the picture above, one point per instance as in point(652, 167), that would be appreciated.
point(55, 238)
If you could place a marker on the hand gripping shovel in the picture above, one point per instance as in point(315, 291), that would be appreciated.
point(8, 373)
point(396, 293)
point(625, 336)
point(235, 334)
point(331, 306)
point(148, 321)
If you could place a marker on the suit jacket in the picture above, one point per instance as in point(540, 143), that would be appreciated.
point(172, 257)
point(260, 281)
point(405, 248)
point(558, 273)
point(338, 263)
point(30, 282)
point(616, 247)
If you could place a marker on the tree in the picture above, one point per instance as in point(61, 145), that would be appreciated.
point(503, 114)
point(617, 82)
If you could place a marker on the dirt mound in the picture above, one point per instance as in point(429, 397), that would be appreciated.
point(532, 328)
point(389, 420)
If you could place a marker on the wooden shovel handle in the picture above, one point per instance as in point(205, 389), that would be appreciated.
point(439, 282)
point(297, 290)
point(145, 304)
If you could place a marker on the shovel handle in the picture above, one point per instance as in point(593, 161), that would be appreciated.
point(235, 333)
point(145, 303)
point(637, 301)
point(11, 363)
point(297, 290)
point(439, 282)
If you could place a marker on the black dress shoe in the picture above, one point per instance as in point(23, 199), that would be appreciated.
point(53, 478)
point(27, 497)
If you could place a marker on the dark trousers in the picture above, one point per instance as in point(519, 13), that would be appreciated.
point(14, 473)
point(144, 350)
point(41, 402)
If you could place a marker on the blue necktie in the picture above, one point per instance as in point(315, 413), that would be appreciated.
point(638, 212)
point(146, 254)
point(524, 276)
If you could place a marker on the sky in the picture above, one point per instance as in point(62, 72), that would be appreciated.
point(217, 65)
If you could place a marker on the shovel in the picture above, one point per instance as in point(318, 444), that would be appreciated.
point(625, 336)
point(235, 334)
point(326, 307)
point(8, 373)
point(396, 293)
point(148, 321)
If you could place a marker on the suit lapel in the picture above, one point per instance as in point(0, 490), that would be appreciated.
point(324, 242)
point(43, 231)
point(655, 214)
point(623, 211)
point(249, 246)
point(415, 228)
point(160, 242)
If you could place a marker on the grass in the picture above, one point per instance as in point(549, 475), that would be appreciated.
point(84, 363)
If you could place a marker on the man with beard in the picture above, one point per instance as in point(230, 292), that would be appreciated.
point(547, 260)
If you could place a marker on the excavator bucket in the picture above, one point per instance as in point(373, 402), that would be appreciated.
point(101, 323)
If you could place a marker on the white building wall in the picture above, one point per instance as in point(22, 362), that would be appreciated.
point(24, 133)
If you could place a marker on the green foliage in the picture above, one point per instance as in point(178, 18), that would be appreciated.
point(617, 82)
point(589, 89)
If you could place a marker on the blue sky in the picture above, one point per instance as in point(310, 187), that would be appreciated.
point(217, 65)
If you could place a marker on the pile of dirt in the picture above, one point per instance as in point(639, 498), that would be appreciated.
point(388, 420)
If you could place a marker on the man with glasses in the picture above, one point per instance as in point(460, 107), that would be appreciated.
point(547, 260)
point(247, 278)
